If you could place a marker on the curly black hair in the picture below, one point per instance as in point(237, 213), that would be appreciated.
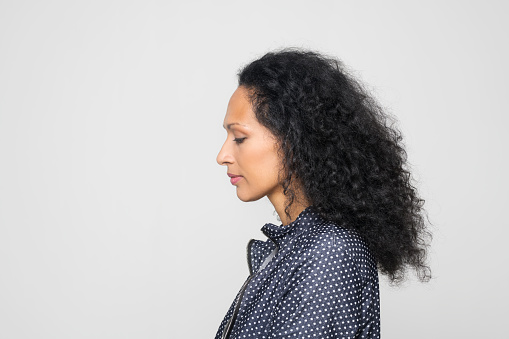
point(343, 149)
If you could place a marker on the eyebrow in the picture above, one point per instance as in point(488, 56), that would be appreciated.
point(233, 123)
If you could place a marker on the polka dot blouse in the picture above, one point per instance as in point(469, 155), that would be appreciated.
point(310, 279)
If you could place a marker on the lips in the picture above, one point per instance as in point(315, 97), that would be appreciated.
point(234, 178)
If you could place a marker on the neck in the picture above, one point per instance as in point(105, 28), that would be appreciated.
point(279, 203)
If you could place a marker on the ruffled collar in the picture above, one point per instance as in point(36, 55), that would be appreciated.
point(277, 233)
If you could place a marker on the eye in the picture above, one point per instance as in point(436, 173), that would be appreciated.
point(239, 140)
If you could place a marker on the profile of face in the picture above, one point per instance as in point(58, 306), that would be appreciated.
point(250, 151)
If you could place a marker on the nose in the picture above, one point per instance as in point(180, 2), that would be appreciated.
point(224, 156)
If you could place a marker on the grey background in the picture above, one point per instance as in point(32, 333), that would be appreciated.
point(117, 222)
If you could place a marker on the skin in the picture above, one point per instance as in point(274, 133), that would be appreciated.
point(250, 150)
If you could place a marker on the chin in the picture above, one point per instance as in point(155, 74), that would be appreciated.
point(247, 197)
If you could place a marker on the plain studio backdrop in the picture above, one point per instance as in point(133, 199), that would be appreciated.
point(117, 222)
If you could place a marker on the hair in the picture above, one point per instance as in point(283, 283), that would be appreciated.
point(343, 150)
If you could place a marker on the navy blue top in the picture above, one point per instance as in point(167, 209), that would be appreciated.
point(310, 279)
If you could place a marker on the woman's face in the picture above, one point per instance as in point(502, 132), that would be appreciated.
point(249, 151)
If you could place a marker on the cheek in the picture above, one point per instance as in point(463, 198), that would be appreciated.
point(264, 165)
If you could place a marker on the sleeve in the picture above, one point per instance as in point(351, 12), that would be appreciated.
point(327, 296)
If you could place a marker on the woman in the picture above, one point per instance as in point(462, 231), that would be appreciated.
point(305, 134)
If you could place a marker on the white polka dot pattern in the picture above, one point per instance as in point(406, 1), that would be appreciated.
point(321, 283)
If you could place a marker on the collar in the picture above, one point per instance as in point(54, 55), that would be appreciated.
point(306, 218)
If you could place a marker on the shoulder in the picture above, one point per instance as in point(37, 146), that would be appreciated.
point(326, 240)
point(328, 234)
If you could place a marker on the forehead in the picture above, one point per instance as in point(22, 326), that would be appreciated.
point(239, 110)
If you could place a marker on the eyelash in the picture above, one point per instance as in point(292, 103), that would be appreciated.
point(239, 140)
